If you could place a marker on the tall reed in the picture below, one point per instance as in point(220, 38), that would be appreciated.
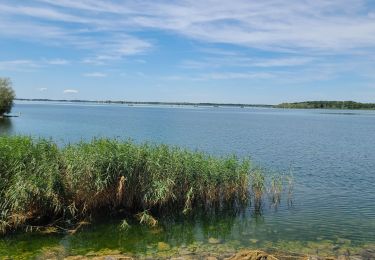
point(41, 183)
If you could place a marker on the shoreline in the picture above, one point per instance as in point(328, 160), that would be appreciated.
point(183, 254)
point(316, 105)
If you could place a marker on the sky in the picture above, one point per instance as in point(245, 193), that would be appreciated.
point(238, 51)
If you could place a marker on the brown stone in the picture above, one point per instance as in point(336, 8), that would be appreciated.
point(210, 258)
point(252, 255)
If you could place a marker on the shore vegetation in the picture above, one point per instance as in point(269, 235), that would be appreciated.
point(42, 184)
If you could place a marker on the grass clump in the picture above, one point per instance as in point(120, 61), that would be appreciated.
point(41, 183)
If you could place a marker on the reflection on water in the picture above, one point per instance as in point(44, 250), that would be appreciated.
point(5, 125)
point(221, 233)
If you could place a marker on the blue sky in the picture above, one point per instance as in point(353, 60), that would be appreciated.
point(239, 51)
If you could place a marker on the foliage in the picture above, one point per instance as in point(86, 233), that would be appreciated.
point(7, 96)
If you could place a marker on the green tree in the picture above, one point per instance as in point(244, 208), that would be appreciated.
point(7, 95)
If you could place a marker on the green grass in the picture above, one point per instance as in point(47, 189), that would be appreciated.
point(42, 184)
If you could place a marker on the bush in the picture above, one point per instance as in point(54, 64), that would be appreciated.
point(7, 96)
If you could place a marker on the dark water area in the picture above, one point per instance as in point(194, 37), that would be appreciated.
point(5, 125)
point(331, 155)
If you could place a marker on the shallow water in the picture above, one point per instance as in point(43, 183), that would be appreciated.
point(330, 153)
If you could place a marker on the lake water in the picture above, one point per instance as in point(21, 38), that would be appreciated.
point(330, 153)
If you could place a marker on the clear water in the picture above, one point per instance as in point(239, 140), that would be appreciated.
point(331, 154)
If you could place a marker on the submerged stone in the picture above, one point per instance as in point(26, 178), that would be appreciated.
point(104, 252)
point(156, 230)
point(162, 246)
point(212, 240)
point(210, 258)
point(344, 241)
point(184, 252)
point(52, 252)
point(252, 255)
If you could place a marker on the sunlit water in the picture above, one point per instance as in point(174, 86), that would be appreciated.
point(331, 154)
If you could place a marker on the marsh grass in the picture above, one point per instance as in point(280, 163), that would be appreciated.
point(41, 184)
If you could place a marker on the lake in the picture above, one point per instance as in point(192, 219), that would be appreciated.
point(330, 153)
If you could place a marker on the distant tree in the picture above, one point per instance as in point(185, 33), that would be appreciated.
point(7, 96)
point(328, 105)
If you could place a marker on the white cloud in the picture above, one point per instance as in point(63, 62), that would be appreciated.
point(95, 75)
point(42, 89)
point(283, 62)
point(18, 65)
point(237, 60)
point(174, 77)
point(70, 91)
point(29, 65)
point(101, 44)
point(237, 75)
point(57, 62)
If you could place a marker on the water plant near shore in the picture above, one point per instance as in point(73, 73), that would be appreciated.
point(42, 184)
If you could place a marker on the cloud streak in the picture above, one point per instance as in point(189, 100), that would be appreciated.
point(95, 75)
point(18, 65)
point(57, 62)
point(70, 91)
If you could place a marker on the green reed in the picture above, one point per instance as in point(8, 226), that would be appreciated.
point(42, 184)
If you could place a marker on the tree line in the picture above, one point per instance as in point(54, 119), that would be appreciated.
point(328, 105)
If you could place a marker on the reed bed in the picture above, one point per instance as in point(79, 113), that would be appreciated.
point(43, 184)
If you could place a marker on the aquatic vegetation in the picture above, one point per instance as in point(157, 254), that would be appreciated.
point(42, 184)
point(276, 188)
point(145, 218)
point(290, 182)
point(124, 225)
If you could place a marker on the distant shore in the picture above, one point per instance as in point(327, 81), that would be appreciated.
point(337, 105)
point(130, 103)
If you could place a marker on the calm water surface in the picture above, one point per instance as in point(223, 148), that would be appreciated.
point(330, 153)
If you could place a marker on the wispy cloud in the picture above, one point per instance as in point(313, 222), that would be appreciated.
point(236, 75)
point(270, 24)
point(70, 91)
point(29, 65)
point(95, 75)
point(100, 43)
point(221, 76)
point(18, 65)
point(282, 62)
point(244, 61)
point(57, 62)
point(42, 89)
